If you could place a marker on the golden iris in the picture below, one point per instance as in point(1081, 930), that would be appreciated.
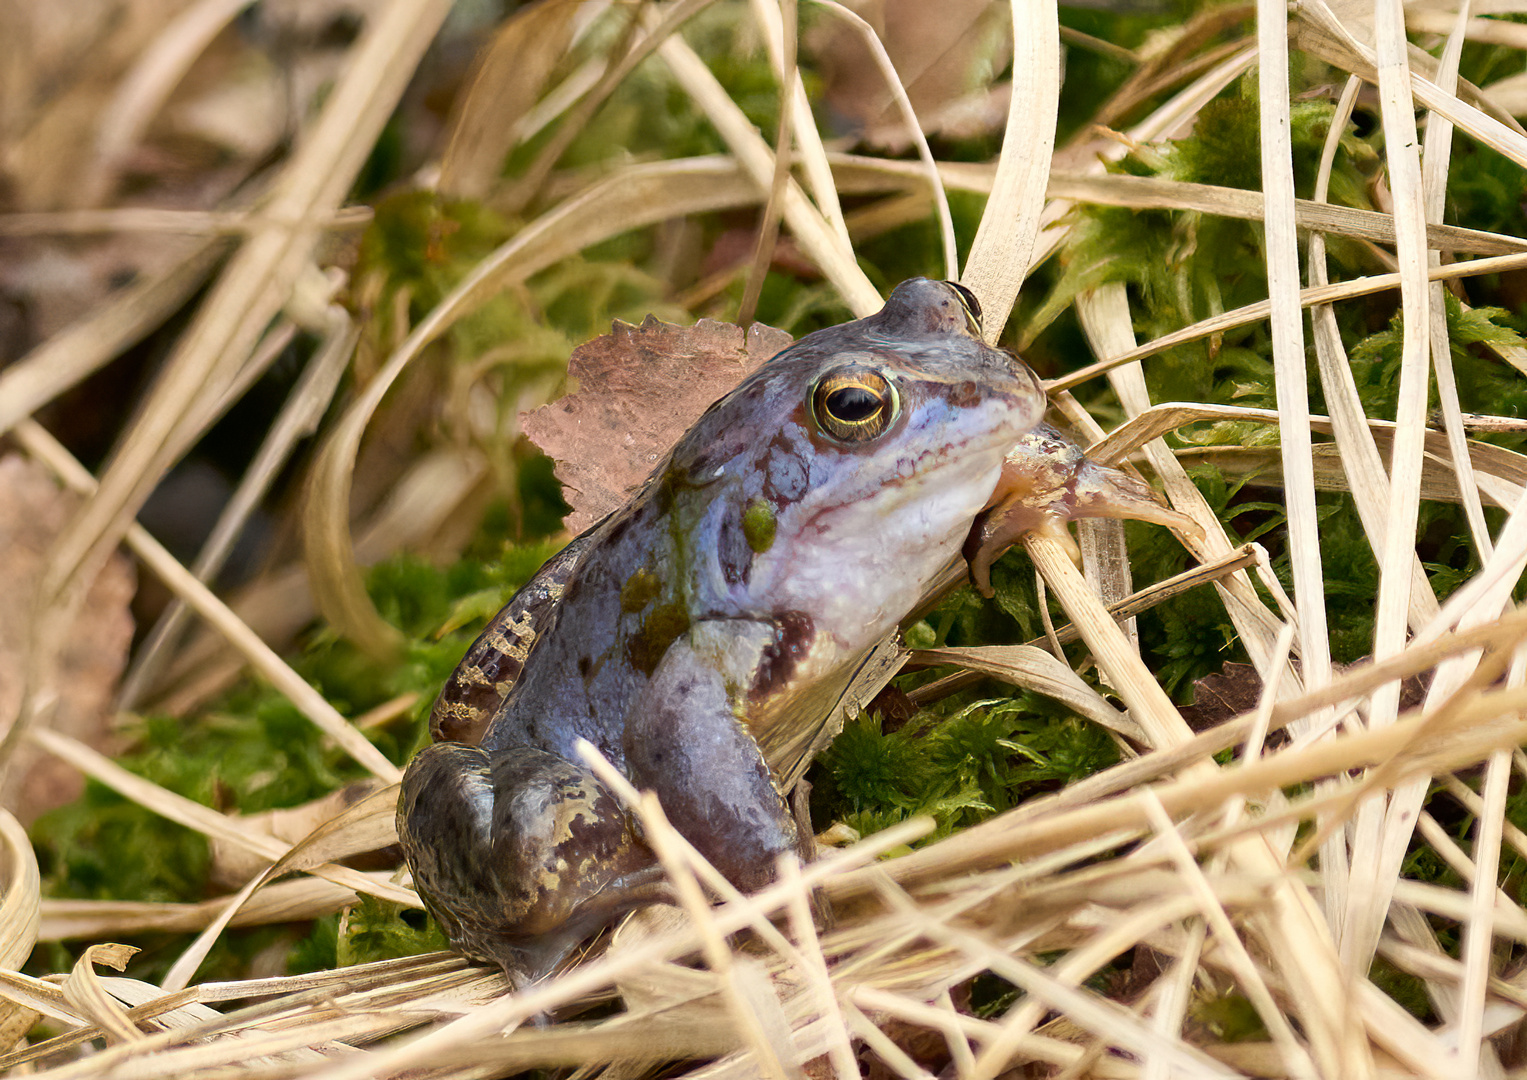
point(854, 404)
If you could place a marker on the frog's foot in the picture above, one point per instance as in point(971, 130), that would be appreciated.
point(1047, 482)
point(520, 855)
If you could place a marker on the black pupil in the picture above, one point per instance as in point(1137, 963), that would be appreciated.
point(853, 404)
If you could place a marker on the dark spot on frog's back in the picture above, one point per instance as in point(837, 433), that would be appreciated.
point(786, 475)
point(793, 634)
point(733, 552)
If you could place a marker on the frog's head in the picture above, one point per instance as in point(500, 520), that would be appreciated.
point(838, 480)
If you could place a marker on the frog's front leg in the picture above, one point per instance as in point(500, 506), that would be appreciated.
point(1048, 481)
point(686, 741)
point(520, 854)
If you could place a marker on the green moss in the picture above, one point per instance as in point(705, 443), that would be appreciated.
point(960, 763)
point(372, 929)
point(1230, 1016)
point(1404, 988)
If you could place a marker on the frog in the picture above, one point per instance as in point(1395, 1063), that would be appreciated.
point(699, 636)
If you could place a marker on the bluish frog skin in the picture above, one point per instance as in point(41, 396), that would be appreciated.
point(699, 636)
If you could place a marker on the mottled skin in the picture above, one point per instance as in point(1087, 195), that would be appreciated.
point(699, 636)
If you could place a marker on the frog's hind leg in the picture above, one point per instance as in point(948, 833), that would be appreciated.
point(520, 855)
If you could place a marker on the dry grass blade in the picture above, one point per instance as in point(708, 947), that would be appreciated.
point(1037, 670)
point(137, 219)
point(85, 992)
point(1287, 324)
point(1321, 294)
point(1123, 609)
point(1479, 931)
point(1323, 35)
point(256, 283)
point(816, 237)
point(1376, 858)
point(285, 901)
point(206, 821)
point(1004, 245)
point(141, 95)
point(802, 925)
point(1104, 316)
point(1155, 193)
point(1436, 154)
point(768, 223)
point(20, 919)
point(1369, 481)
point(298, 419)
point(1072, 970)
point(1110, 1022)
point(914, 129)
point(813, 156)
point(1238, 959)
point(508, 77)
point(369, 825)
point(1309, 967)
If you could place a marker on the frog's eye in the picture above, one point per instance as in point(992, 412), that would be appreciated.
point(854, 404)
point(971, 305)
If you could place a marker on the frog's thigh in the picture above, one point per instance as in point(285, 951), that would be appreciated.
point(683, 742)
point(519, 845)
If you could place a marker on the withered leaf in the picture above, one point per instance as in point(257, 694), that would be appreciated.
point(1237, 688)
point(638, 389)
point(33, 510)
point(942, 52)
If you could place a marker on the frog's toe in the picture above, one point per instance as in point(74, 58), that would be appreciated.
point(1001, 527)
point(1101, 491)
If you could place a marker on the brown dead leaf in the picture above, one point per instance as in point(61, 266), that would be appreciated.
point(1236, 688)
point(638, 389)
point(32, 512)
point(946, 55)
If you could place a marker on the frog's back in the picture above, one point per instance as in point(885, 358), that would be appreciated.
point(583, 672)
